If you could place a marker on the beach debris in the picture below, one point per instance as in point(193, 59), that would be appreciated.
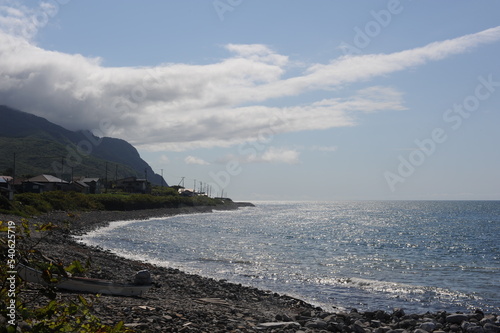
point(278, 324)
point(217, 301)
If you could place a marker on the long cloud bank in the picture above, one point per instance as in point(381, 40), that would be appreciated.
point(180, 107)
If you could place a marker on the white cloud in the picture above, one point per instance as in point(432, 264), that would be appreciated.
point(164, 159)
point(328, 149)
point(280, 155)
point(258, 52)
point(270, 155)
point(179, 107)
point(195, 160)
point(23, 21)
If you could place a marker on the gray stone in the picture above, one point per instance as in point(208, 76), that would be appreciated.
point(407, 323)
point(136, 325)
point(398, 313)
point(419, 330)
point(471, 327)
point(330, 318)
point(318, 324)
point(279, 324)
point(475, 329)
point(457, 318)
point(358, 327)
point(283, 318)
point(487, 319)
point(491, 328)
point(380, 330)
point(428, 326)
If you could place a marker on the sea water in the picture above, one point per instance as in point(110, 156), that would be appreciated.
point(369, 255)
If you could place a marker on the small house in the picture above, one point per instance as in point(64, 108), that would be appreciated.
point(33, 187)
point(49, 182)
point(186, 192)
point(77, 186)
point(134, 185)
point(92, 185)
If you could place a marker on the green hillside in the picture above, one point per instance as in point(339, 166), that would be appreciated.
point(35, 156)
point(35, 146)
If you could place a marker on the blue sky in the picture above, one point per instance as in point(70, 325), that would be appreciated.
point(273, 100)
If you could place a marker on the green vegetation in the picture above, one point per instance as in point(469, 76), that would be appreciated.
point(73, 314)
point(38, 154)
point(28, 204)
point(41, 147)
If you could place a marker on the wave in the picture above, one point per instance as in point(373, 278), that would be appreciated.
point(406, 292)
point(227, 261)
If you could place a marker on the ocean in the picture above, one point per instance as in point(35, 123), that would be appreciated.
point(369, 255)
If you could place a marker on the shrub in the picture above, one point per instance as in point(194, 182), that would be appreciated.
point(70, 201)
point(5, 203)
point(74, 314)
point(33, 203)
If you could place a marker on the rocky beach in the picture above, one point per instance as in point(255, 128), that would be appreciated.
point(180, 302)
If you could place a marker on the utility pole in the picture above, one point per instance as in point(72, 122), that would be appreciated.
point(181, 182)
point(161, 177)
point(14, 170)
point(106, 179)
point(62, 168)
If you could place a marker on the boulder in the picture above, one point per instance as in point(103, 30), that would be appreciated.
point(457, 318)
point(318, 324)
point(491, 328)
point(428, 326)
point(419, 330)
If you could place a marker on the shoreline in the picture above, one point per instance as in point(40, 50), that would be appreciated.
point(192, 303)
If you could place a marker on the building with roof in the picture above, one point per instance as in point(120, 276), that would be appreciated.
point(134, 185)
point(49, 182)
point(92, 185)
point(77, 186)
point(6, 188)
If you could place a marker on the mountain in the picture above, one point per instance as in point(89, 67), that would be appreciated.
point(44, 147)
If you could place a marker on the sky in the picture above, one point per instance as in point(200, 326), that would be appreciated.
point(273, 100)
